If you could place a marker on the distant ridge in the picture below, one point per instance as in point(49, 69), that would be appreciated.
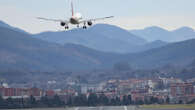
point(101, 37)
point(156, 33)
point(5, 25)
point(178, 54)
point(19, 51)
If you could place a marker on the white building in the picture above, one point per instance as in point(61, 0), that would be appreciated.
point(91, 87)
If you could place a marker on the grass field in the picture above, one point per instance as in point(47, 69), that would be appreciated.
point(192, 107)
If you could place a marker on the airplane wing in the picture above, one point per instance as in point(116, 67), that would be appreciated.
point(96, 19)
point(55, 20)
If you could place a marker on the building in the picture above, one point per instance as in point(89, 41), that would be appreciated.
point(139, 94)
point(182, 89)
point(93, 88)
point(194, 88)
point(182, 92)
point(35, 92)
point(50, 93)
point(168, 81)
point(20, 92)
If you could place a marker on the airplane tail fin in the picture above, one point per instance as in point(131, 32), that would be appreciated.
point(72, 8)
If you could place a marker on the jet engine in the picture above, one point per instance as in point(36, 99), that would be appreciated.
point(62, 23)
point(89, 23)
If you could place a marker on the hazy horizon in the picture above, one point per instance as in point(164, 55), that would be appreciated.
point(129, 14)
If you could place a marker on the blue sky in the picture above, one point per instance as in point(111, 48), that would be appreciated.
point(129, 14)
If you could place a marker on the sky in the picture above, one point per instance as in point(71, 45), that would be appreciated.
point(129, 14)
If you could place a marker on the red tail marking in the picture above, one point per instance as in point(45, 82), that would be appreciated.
point(72, 8)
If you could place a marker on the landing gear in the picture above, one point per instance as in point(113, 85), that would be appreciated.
point(77, 26)
point(66, 27)
point(84, 27)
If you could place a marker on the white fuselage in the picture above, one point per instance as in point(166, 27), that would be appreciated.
point(75, 19)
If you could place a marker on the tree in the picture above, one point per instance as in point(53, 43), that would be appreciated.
point(70, 101)
point(129, 99)
point(146, 101)
point(140, 102)
point(118, 101)
point(125, 100)
point(180, 102)
point(80, 100)
point(32, 101)
point(56, 101)
point(113, 102)
point(167, 100)
point(45, 101)
point(2, 102)
point(191, 102)
point(103, 100)
point(10, 103)
point(92, 99)
point(154, 100)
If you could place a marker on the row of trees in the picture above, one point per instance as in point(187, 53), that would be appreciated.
point(80, 100)
point(31, 102)
point(94, 100)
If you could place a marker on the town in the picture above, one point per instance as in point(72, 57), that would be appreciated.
point(131, 91)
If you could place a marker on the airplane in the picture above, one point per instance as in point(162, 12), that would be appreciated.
point(75, 19)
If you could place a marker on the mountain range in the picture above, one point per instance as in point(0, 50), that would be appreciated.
point(5, 25)
point(102, 37)
point(19, 50)
point(156, 33)
point(178, 54)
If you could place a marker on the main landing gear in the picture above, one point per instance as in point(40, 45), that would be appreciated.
point(84, 27)
point(66, 27)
